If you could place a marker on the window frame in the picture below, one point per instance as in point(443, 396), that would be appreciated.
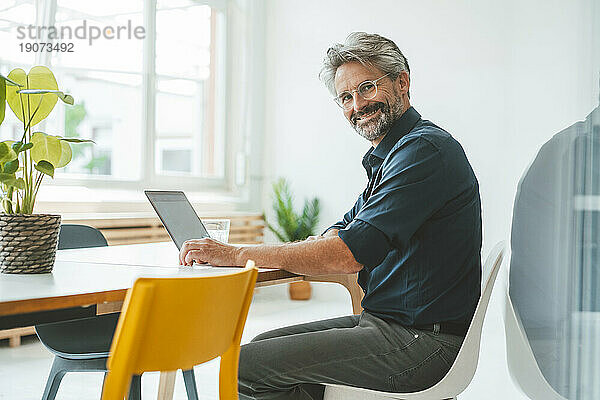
point(149, 177)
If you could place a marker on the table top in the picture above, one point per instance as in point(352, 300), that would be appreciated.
point(101, 274)
point(164, 254)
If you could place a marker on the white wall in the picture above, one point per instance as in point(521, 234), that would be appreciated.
point(501, 76)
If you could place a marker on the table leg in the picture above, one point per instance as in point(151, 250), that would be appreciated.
point(109, 307)
point(166, 385)
point(349, 281)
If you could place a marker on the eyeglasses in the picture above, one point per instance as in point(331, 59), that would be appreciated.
point(367, 90)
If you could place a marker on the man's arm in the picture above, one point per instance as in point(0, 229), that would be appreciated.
point(330, 232)
point(324, 255)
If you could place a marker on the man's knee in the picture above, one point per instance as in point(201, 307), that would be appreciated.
point(270, 334)
point(261, 336)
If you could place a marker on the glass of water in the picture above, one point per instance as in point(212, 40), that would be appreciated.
point(218, 229)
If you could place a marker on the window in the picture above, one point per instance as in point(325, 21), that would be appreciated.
point(12, 14)
point(154, 106)
point(186, 92)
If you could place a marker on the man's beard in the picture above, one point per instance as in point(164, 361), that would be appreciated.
point(379, 126)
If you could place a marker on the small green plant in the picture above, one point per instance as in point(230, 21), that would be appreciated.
point(292, 226)
point(74, 116)
point(24, 163)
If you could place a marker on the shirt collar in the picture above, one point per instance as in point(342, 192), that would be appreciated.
point(401, 127)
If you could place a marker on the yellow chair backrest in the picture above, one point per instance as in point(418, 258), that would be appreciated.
point(176, 323)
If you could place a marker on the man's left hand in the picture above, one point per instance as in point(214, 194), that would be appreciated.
point(209, 251)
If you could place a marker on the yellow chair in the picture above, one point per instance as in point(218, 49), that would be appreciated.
point(176, 323)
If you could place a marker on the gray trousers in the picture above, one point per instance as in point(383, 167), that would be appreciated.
point(358, 350)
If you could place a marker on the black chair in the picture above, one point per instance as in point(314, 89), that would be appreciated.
point(83, 344)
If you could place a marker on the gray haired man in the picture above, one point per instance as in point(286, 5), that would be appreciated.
point(413, 236)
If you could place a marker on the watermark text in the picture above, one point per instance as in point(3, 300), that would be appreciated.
point(85, 31)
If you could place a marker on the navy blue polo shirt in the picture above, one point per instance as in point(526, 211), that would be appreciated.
point(416, 228)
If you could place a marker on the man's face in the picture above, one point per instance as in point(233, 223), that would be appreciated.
point(371, 118)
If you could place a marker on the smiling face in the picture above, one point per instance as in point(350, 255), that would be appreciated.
point(372, 118)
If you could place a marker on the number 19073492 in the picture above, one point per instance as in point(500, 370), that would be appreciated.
point(47, 47)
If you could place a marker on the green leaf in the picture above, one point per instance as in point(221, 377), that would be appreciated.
point(6, 152)
point(10, 180)
point(284, 209)
point(45, 168)
point(19, 183)
point(39, 77)
point(310, 217)
point(16, 146)
point(7, 205)
point(46, 147)
point(292, 226)
point(26, 146)
point(4, 149)
point(5, 177)
point(8, 81)
point(279, 235)
point(75, 140)
point(66, 98)
point(2, 100)
point(65, 155)
point(11, 167)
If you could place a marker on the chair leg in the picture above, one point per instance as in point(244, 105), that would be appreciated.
point(190, 384)
point(135, 389)
point(57, 372)
point(103, 382)
point(60, 366)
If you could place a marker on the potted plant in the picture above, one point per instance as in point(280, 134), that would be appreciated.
point(293, 226)
point(28, 241)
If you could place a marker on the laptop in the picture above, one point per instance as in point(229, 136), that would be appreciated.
point(177, 215)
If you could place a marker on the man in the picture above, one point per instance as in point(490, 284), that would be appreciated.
point(413, 236)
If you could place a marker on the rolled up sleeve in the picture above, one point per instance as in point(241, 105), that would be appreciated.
point(412, 188)
point(368, 245)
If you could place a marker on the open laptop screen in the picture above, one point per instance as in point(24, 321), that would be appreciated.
point(177, 215)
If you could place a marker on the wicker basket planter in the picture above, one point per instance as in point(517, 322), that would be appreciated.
point(28, 243)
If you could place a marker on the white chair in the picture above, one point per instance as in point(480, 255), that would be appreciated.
point(461, 373)
point(522, 365)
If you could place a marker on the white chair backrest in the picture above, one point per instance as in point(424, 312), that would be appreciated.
point(522, 365)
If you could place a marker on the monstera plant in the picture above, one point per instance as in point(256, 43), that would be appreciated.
point(24, 163)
